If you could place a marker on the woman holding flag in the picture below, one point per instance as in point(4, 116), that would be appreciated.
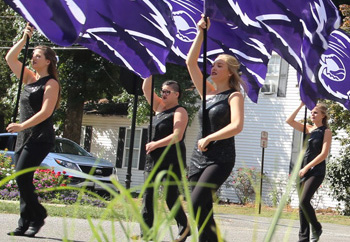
point(313, 168)
point(168, 127)
point(214, 155)
point(36, 136)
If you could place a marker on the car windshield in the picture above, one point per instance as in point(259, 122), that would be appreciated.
point(67, 147)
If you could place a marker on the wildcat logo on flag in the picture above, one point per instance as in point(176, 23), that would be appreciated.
point(222, 38)
point(143, 35)
point(333, 76)
point(134, 34)
point(297, 30)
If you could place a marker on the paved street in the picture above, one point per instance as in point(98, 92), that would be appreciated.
point(236, 228)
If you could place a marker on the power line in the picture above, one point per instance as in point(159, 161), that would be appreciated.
point(52, 47)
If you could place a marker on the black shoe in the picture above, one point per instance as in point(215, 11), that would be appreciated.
point(34, 229)
point(315, 235)
point(184, 233)
point(17, 232)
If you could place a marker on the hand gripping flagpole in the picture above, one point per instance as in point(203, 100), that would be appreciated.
point(305, 120)
point(204, 90)
point(151, 111)
point(15, 111)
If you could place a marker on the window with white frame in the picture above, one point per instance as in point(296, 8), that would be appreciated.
point(276, 77)
point(272, 75)
point(136, 148)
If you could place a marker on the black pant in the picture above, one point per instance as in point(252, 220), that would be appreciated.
point(307, 213)
point(171, 197)
point(32, 213)
point(202, 197)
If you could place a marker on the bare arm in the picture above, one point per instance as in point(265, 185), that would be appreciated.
point(233, 128)
point(12, 57)
point(47, 108)
point(327, 139)
point(295, 124)
point(180, 124)
point(192, 60)
point(158, 104)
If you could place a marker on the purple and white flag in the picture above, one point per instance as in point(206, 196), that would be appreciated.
point(134, 34)
point(222, 38)
point(297, 30)
point(333, 76)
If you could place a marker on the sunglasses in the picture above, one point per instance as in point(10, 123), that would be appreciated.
point(166, 92)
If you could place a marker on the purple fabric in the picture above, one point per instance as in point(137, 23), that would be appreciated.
point(333, 75)
point(297, 30)
point(134, 34)
point(222, 38)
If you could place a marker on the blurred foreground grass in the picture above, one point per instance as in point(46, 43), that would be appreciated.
point(56, 210)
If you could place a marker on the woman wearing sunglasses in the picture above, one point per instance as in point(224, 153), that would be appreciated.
point(168, 127)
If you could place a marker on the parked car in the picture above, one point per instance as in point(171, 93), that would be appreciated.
point(68, 156)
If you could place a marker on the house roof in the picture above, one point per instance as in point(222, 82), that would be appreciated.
point(106, 107)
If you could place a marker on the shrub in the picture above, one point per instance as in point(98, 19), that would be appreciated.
point(278, 188)
point(243, 181)
point(338, 175)
point(246, 183)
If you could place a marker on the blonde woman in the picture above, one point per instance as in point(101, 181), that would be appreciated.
point(313, 168)
point(214, 155)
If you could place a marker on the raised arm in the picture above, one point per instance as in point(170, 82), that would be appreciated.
point(295, 124)
point(192, 59)
point(180, 125)
point(147, 91)
point(49, 103)
point(13, 53)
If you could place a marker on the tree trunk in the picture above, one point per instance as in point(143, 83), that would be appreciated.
point(72, 124)
point(2, 123)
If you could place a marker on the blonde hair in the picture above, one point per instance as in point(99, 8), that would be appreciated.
point(235, 81)
point(323, 108)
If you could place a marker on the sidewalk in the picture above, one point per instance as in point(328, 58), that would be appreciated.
point(235, 228)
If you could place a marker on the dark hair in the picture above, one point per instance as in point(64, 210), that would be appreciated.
point(174, 85)
point(50, 55)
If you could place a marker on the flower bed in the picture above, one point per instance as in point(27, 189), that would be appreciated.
point(46, 183)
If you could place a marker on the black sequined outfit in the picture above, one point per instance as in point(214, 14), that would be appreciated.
point(220, 151)
point(30, 103)
point(32, 146)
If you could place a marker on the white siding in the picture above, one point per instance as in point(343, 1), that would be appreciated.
point(269, 114)
point(104, 142)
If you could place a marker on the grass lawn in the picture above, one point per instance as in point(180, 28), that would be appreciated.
point(80, 211)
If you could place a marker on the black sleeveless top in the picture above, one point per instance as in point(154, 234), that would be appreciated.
point(220, 151)
point(30, 103)
point(314, 148)
point(162, 126)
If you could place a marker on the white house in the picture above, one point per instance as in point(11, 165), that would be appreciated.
point(279, 97)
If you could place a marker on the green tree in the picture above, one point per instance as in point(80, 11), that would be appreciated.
point(8, 86)
point(85, 77)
